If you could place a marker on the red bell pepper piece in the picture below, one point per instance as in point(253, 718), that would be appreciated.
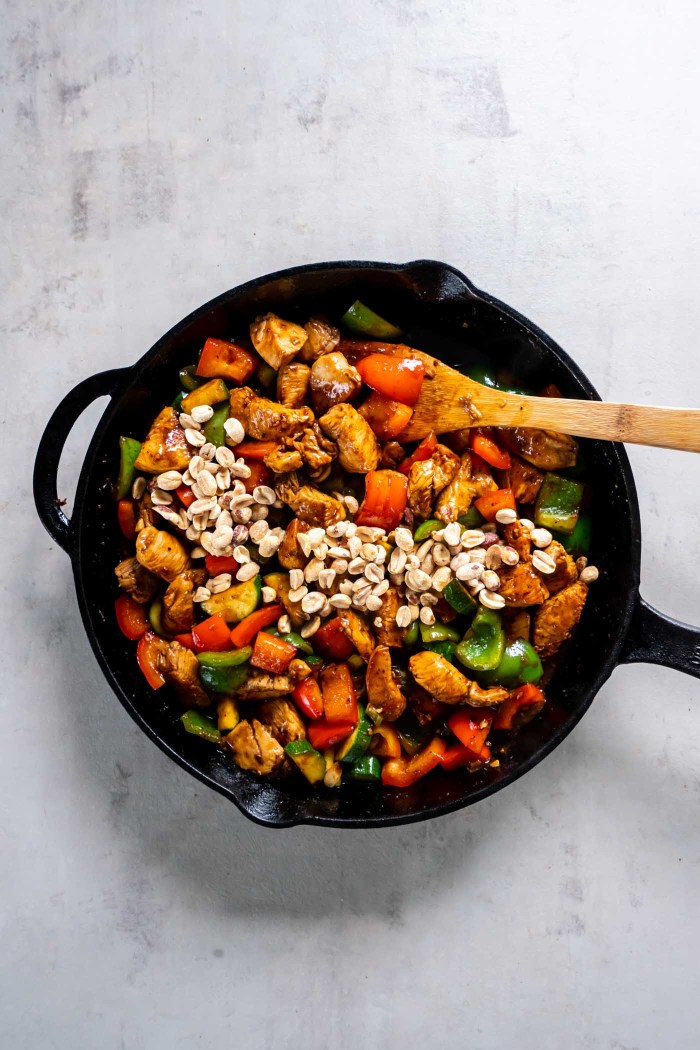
point(255, 449)
point(131, 617)
point(484, 445)
point(471, 726)
point(222, 360)
point(187, 640)
point(246, 630)
point(185, 495)
point(402, 772)
point(218, 563)
point(146, 652)
point(423, 451)
point(126, 516)
point(308, 697)
point(339, 698)
point(490, 503)
point(259, 475)
point(323, 734)
point(331, 642)
point(385, 741)
point(212, 635)
point(386, 496)
point(272, 654)
point(387, 418)
point(399, 378)
point(521, 706)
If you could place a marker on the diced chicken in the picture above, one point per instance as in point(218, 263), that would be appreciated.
point(283, 721)
point(523, 479)
point(290, 553)
point(284, 460)
point(316, 450)
point(259, 685)
point(521, 585)
point(457, 497)
point(322, 339)
point(254, 748)
point(357, 630)
point(427, 479)
point(146, 514)
point(517, 623)
point(298, 670)
point(265, 420)
point(517, 536)
point(546, 449)
point(165, 447)
point(308, 503)
point(333, 380)
point(161, 553)
point(565, 573)
point(358, 448)
point(277, 341)
point(137, 581)
point(392, 454)
point(448, 685)
point(178, 601)
point(557, 617)
point(292, 384)
point(384, 621)
point(180, 669)
point(384, 697)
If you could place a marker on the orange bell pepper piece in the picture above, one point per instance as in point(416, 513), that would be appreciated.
point(222, 360)
point(272, 654)
point(323, 734)
point(490, 503)
point(255, 449)
point(402, 772)
point(246, 630)
point(212, 635)
point(386, 496)
point(521, 706)
point(185, 495)
point(259, 475)
point(471, 726)
point(339, 699)
point(146, 652)
point(485, 447)
point(387, 418)
point(218, 563)
point(422, 452)
point(126, 516)
point(131, 617)
point(309, 698)
point(385, 741)
point(399, 378)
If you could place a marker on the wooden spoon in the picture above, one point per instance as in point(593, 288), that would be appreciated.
point(450, 401)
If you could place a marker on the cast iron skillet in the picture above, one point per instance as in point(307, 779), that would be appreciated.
point(450, 318)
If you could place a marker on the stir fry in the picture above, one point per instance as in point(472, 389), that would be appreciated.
point(323, 600)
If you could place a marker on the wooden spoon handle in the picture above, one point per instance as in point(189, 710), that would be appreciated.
point(638, 424)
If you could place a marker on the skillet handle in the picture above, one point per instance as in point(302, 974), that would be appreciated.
point(50, 448)
point(657, 639)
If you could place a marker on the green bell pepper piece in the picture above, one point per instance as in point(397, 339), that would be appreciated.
point(410, 635)
point(558, 503)
point(223, 679)
point(457, 595)
point(438, 632)
point(129, 449)
point(176, 403)
point(484, 642)
point(366, 768)
point(519, 664)
point(471, 520)
point(427, 528)
point(579, 542)
point(481, 374)
point(445, 649)
point(214, 429)
point(155, 617)
point(294, 639)
point(199, 725)
point(189, 380)
point(230, 658)
point(312, 659)
point(359, 318)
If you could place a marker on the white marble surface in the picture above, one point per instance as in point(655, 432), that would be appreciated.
point(154, 154)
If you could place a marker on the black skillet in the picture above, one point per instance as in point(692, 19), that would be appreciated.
point(444, 314)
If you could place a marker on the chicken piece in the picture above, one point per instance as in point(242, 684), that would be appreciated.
point(265, 420)
point(165, 447)
point(308, 503)
point(521, 585)
point(255, 749)
point(357, 630)
point(517, 623)
point(316, 450)
point(284, 460)
point(180, 669)
point(427, 479)
point(298, 670)
point(557, 617)
point(322, 339)
point(161, 553)
point(137, 581)
point(546, 449)
point(448, 685)
point(523, 479)
point(290, 554)
point(277, 341)
point(384, 698)
point(457, 497)
point(178, 604)
point(565, 573)
point(292, 384)
point(333, 380)
point(283, 721)
point(384, 622)
point(517, 536)
point(358, 448)
point(392, 454)
point(146, 514)
point(259, 685)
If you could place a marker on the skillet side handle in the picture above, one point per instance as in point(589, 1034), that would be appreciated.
point(48, 454)
point(657, 639)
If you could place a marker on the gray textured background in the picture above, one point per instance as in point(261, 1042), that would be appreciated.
point(154, 154)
